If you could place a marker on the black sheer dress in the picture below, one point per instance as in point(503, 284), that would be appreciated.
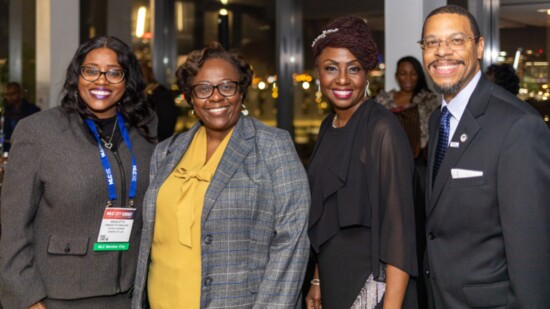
point(344, 260)
point(362, 214)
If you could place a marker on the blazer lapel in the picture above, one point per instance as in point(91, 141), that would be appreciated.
point(468, 127)
point(168, 162)
point(239, 146)
point(466, 131)
point(433, 137)
point(174, 154)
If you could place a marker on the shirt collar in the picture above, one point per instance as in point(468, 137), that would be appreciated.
point(460, 101)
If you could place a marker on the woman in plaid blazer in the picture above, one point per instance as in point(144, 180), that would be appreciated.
point(253, 240)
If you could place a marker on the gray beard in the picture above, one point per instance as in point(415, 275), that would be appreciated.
point(448, 90)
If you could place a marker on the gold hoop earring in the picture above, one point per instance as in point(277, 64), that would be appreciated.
point(244, 110)
point(367, 89)
point(192, 113)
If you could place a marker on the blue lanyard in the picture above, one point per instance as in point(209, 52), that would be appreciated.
point(107, 165)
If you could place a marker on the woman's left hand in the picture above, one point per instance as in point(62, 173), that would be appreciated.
point(313, 297)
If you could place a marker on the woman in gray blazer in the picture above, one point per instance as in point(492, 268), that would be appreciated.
point(77, 173)
point(233, 235)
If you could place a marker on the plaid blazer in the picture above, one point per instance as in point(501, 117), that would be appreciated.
point(254, 220)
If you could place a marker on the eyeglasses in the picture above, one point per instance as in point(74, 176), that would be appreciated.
point(226, 89)
point(92, 74)
point(454, 42)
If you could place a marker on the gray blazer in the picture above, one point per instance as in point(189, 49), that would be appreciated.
point(259, 196)
point(53, 199)
point(489, 235)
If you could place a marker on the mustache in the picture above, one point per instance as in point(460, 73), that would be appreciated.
point(431, 64)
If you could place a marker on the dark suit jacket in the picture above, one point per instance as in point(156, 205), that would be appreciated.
point(12, 116)
point(489, 236)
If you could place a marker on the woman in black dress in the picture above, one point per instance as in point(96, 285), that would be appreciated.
point(362, 217)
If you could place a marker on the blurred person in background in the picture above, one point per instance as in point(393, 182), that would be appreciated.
point(74, 171)
point(163, 102)
point(361, 223)
point(15, 109)
point(225, 218)
point(505, 76)
point(412, 104)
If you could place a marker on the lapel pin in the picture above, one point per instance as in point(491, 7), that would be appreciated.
point(463, 137)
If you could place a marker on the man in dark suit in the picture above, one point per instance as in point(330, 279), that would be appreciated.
point(488, 195)
point(16, 108)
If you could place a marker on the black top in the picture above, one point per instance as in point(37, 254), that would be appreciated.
point(105, 128)
point(333, 148)
point(344, 258)
point(367, 182)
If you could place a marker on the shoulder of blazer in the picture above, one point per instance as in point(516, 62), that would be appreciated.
point(489, 95)
point(264, 135)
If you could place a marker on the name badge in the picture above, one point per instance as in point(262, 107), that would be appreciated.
point(115, 230)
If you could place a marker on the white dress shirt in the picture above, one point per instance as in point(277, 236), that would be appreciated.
point(457, 105)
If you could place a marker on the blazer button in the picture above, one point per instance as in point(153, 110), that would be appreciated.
point(428, 273)
point(67, 249)
point(208, 282)
point(431, 236)
point(208, 239)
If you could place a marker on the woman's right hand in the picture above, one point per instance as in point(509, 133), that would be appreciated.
point(313, 298)
point(38, 305)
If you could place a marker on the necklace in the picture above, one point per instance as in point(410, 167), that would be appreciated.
point(334, 121)
point(109, 144)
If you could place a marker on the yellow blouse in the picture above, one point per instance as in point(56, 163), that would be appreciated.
point(174, 279)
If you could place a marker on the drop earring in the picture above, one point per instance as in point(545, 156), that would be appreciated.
point(244, 110)
point(367, 89)
point(318, 93)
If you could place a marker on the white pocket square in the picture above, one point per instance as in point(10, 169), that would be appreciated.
point(458, 173)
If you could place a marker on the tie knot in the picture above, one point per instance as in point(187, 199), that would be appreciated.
point(445, 114)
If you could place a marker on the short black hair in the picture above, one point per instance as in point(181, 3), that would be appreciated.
point(15, 85)
point(455, 9)
point(505, 76)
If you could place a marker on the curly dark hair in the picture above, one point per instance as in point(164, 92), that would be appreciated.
point(133, 105)
point(421, 83)
point(354, 34)
point(214, 50)
point(455, 9)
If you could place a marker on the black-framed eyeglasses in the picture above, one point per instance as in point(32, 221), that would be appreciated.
point(225, 88)
point(91, 74)
point(454, 42)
